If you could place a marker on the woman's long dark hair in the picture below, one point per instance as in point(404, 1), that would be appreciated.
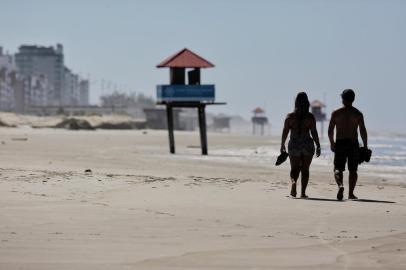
point(302, 106)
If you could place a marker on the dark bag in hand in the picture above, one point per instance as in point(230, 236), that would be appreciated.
point(364, 155)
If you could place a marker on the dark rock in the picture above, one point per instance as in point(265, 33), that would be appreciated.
point(74, 124)
point(122, 125)
point(4, 124)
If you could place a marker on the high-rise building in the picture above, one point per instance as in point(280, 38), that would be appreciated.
point(38, 91)
point(8, 76)
point(75, 90)
point(35, 61)
point(7, 60)
point(36, 76)
point(71, 93)
point(84, 92)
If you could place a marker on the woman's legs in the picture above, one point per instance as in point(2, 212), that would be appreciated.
point(306, 161)
point(295, 163)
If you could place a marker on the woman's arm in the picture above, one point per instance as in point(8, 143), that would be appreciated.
point(285, 133)
point(315, 136)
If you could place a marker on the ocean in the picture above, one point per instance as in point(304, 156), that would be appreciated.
point(388, 151)
point(388, 156)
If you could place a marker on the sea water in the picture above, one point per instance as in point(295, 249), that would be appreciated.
point(388, 151)
point(388, 156)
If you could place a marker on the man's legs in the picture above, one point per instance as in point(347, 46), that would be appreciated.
point(338, 175)
point(353, 160)
point(340, 158)
point(295, 163)
point(352, 182)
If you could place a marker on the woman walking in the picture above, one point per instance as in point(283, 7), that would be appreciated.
point(303, 135)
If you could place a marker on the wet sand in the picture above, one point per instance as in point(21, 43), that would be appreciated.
point(142, 208)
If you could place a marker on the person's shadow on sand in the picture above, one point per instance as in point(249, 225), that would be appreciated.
point(334, 200)
point(372, 201)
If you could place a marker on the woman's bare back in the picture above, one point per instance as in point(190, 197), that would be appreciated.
point(300, 127)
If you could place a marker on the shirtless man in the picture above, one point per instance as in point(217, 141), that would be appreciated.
point(346, 121)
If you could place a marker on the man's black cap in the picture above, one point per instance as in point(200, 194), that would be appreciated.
point(348, 95)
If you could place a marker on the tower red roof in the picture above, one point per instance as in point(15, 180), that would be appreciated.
point(258, 110)
point(185, 59)
point(317, 103)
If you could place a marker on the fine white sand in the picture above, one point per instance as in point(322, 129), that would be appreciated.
point(142, 208)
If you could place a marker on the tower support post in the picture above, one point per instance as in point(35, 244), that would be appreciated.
point(202, 127)
point(169, 114)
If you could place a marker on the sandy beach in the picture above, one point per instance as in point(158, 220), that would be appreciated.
point(141, 208)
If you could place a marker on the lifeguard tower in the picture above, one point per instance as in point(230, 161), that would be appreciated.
point(259, 120)
point(318, 111)
point(190, 94)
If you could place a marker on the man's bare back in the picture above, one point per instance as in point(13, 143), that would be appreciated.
point(347, 120)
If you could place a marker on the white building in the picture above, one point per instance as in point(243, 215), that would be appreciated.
point(84, 93)
point(7, 60)
point(67, 86)
point(72, 88)
point(37, 92)
point(8, 76)
point(18, 92)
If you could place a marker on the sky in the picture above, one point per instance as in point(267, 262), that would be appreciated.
point(265, 52)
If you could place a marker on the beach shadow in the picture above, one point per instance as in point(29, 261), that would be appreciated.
point(372, 201)
point(316, 199)
point(323, 199)
point(335, 200)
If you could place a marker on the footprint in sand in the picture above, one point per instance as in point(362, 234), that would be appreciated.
point(159, 213)
point(101, 204)
point(242, 226)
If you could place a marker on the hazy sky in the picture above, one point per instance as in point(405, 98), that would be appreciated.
point(264, 51)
